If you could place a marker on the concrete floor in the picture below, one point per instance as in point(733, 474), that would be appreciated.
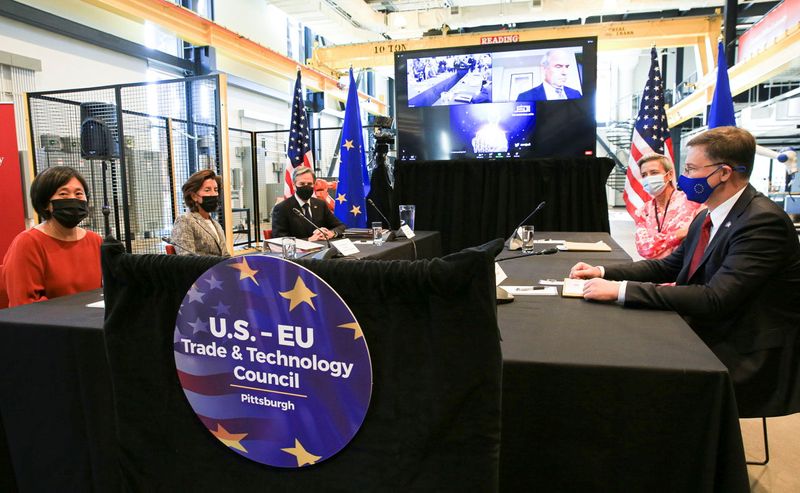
point(782, 474)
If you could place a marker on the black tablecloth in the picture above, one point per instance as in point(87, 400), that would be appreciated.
point(601, 398)
point(595, 397)
point(434, 417)
point(425, 244)
point(55, 396)
point(471, 202)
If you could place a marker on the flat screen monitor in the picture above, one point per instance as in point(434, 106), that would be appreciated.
point(516, 100)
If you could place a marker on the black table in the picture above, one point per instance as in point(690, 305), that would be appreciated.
point(601, 398)
point(595, 398)
point(425, 244)
point(55, 395)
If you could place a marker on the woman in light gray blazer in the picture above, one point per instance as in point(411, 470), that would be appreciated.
point(196, 233)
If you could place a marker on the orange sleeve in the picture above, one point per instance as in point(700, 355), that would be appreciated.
point(23, 270)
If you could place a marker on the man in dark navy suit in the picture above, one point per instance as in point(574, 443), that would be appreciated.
point(736, 275)
point(287, 223)
point(555, 67)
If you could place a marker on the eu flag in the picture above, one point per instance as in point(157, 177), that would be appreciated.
point(353, 185)
point(721, 114)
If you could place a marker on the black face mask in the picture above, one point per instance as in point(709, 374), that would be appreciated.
point(210, 203)
point(69, 212)
point(305, 193)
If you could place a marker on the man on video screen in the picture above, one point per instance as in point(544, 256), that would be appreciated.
point(555, 67)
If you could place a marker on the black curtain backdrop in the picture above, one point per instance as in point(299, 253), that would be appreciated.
point(471, 202)
point(434, 417)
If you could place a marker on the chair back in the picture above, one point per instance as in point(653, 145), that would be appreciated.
point(3, 293)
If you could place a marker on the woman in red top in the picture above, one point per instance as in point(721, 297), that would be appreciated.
point(54, 258)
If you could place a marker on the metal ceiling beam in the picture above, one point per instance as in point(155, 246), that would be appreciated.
point(665, 33)
point(744, 75)
point(193, 28)
point(52, 23)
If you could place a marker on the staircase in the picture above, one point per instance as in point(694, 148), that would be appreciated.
point(615, 139)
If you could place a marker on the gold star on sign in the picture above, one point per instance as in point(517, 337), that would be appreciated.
point(348, 144)
point(340, 198)
point(299, 294)
point(245, 271)
point(356, 210)
point(232, 440)
point(355, 327)
point(303, 456)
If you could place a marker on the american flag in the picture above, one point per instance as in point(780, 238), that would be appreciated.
point(299, 149)
point(650, 135)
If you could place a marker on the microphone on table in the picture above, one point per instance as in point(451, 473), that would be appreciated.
point(515, 244)
point(391, 235)
point(168, 241)
point(546, 251)
point(325, 253)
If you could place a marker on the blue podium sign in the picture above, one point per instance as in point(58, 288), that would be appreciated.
point(272, 361)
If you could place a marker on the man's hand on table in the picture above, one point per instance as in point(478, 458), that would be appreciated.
point(582, 270)
point(601, 290)
point(595, 288)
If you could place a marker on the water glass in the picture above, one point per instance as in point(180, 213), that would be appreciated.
point(289, 247)
point(377, 233)
point(407, 215)
point(526, 234)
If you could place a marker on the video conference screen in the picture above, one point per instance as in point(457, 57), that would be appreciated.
point(516, 100)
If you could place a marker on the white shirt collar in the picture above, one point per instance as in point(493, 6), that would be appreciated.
point(301, 201)
point(722, 210)
point(550, 91)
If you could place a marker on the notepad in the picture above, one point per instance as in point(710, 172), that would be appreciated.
point(572, 246)
point(573, 288)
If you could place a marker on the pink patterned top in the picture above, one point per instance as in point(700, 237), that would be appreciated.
point(659, 231)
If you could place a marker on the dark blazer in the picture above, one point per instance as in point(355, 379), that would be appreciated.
point(286, 223)
point(538, 94)
point(743, 300)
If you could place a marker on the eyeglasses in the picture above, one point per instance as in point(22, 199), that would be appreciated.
point(690, 170)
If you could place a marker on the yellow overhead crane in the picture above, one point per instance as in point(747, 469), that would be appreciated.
point(194, 29)
point(700, 31)
point(764, 65)
point(697, 32)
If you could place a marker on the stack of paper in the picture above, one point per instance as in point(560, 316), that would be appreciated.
point(572, 246)
point(573, 288)
point(301, 245)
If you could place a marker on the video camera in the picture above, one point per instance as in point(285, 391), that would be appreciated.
point(383, 132)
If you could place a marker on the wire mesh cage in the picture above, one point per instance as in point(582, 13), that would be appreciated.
point(150, 137)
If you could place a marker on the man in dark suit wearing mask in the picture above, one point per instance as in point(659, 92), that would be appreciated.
point(736, 275)
point(287, 223)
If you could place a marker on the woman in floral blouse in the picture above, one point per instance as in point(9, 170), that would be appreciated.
point(662, 222)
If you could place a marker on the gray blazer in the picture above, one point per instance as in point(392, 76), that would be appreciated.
point(192, 235)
